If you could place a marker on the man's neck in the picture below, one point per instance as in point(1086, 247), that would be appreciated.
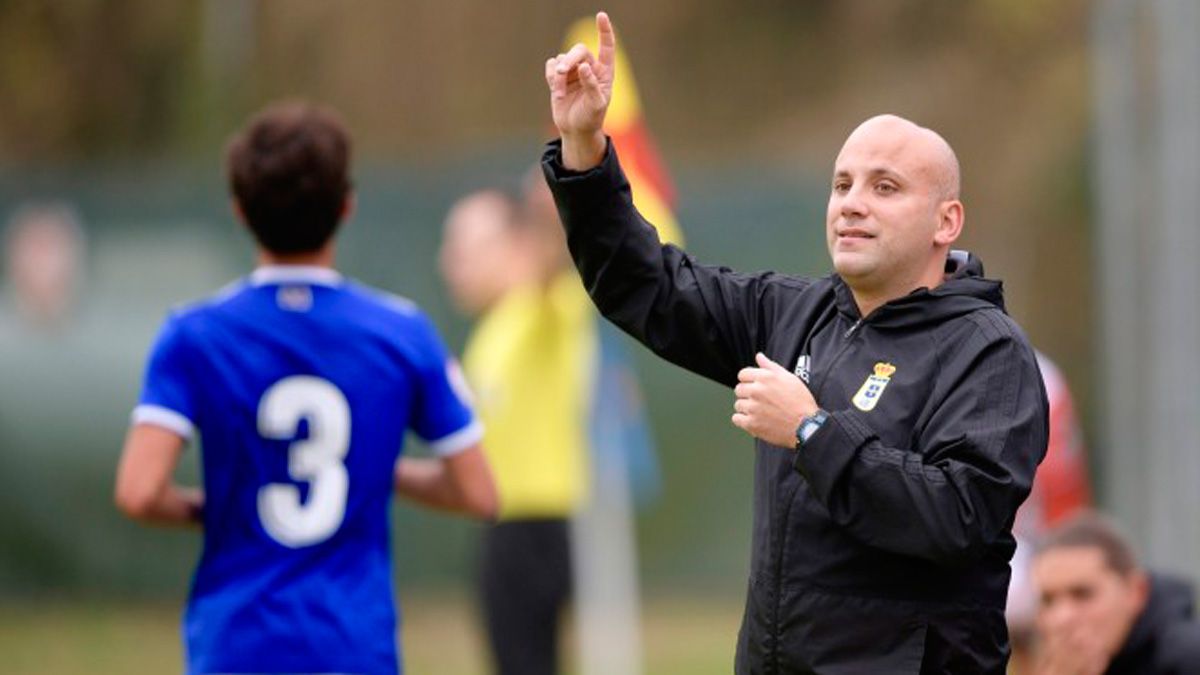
point(868, 303)
point(322, 257)
point(871, 299)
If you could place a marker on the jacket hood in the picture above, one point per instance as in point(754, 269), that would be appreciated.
point(964, 290)
point(1170, 602)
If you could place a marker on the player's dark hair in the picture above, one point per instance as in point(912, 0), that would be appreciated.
point(1091, 530)
point(288, 170)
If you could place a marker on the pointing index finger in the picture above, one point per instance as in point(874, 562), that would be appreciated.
point(608, 40)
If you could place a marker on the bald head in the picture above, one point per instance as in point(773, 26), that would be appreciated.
point(924, 150)
point(893, 210)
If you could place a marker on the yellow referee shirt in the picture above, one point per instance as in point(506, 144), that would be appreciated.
point(530, 362)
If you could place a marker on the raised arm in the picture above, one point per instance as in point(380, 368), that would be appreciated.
point(707, 319)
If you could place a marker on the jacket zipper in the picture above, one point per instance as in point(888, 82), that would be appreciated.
point(851, 329)
point(846, 335)
point(774, 656)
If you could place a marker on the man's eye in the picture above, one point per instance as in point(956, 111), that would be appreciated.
point(841, 188)
point(1082, 594)
point(885, 188)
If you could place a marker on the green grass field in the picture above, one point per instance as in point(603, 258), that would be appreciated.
point(440, 637)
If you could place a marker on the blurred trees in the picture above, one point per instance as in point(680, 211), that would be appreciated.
point(82, 78)
point(117, 77)
point(749, 102)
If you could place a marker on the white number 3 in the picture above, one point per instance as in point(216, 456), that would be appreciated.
point(316, 459)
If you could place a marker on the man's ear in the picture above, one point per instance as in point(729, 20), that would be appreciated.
point(349, 204)
point(238, 212)
point(1139, 583)
point(950, 222)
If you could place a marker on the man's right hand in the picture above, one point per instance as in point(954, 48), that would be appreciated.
point(581, 88)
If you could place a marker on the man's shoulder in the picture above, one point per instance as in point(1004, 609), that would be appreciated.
point(793, 304)
point(384, 304)
point(199, 308)
point(981, 327)
point(807, 284)
point(984, 331)
point(1177, 639)
point(394, 320)
point(192, 317)
point(807, 291)
point(1178, 648)
point(995, 324)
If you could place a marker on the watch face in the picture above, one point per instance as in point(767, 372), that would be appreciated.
point(807, 429)
point(809, 426)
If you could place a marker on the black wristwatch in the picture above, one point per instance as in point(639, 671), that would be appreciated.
point(809, 426)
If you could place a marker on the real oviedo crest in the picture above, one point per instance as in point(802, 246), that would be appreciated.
point(870, 391)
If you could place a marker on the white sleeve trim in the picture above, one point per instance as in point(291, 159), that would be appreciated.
point(456, 442)
point(165, 418)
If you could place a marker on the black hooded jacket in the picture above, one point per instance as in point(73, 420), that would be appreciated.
point(1165, 638)
point(882, 545)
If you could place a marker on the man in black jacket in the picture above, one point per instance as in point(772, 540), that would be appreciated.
point(890, 462)
point(1100, 612)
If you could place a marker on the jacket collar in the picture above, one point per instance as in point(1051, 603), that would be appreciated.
point(965, 289)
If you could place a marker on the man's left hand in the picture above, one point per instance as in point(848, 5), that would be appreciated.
point(771, 402)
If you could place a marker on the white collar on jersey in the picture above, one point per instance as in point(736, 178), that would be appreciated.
point(304, 274)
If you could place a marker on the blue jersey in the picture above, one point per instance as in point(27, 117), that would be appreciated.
point(301, 386)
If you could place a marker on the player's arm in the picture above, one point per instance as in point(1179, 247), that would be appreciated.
point(457, 477)
point(145, 487)
point(461, 482)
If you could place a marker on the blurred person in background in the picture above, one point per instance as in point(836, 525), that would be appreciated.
point(563, 425)
point(883, 512)
point(1101, 612)
point(566, 432)
point(521, 360)
point(44, 250)
point(301, 385)
point(1061, 489)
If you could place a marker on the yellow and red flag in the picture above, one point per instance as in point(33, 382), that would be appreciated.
point(653, 192)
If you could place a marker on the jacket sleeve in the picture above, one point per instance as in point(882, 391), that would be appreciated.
point(955, 495)
point(705, 319)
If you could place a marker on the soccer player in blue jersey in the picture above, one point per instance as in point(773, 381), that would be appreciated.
point(300, 384)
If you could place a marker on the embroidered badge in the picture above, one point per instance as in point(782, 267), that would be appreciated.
point(869, 393)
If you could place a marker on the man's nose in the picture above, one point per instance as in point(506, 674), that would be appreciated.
point(852, 204)
point(1058, 616)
